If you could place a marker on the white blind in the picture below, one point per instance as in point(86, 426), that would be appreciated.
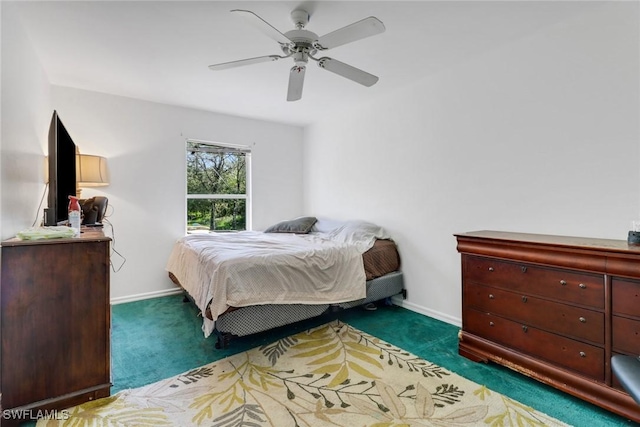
point(202, 147)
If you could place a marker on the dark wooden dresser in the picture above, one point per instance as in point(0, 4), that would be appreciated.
point(553, 308)
point(55, 324)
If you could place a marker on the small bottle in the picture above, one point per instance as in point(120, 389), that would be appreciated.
point(74, 214)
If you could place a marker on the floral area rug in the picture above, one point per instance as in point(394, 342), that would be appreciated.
point(332, 375)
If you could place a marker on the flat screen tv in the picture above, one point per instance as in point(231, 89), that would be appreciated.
point(62, 172)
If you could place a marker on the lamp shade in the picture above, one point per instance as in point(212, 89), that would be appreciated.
point(91, 171)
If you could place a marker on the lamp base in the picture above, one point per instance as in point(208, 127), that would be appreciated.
point(634, 238)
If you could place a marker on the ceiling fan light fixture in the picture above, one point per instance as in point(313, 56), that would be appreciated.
point(301, 44)
point(300, 58)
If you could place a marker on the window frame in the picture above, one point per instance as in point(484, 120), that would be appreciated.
point(226, 148)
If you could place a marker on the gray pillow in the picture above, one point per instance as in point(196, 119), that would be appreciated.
point(300, 225)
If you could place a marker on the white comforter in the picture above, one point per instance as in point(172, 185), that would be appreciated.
point(249, 268)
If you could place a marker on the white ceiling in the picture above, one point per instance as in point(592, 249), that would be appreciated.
point(159, 50)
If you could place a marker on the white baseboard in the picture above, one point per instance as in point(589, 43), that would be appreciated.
point(397, 300)
point(148, 295)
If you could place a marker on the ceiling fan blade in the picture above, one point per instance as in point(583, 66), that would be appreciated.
point(358, 30)
point(347, 71)
point(262, 25)
point(296, 81)
point(242, 62)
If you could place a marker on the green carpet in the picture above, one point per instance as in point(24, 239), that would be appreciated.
point(161, 337)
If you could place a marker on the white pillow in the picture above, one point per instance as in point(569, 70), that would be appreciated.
point(362, 234)
point(326, 225)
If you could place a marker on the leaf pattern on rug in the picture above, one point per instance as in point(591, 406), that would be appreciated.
point(275, 350)
point(395, 411)
point(515, 414)
point(111, 411)
point(337, 356)
point(242, 416)
point(195, 375)
point(333, 375)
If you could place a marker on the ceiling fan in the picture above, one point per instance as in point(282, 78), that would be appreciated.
point(301, 45)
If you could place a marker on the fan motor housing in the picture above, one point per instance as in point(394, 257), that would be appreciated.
point(301, 36)
point(302, 44)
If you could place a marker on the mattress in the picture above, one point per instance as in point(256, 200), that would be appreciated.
point(381, 259)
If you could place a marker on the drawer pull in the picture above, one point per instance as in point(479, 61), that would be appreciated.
point(583, 354)
point(582, 286)
point(583, 320)
point(524, 269)
point(490, 323)
point(563, 282)
point(490, 268)
point(524, 328)
point(524, 298)
point(491, 296)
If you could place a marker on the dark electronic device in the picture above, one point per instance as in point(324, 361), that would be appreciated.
point(93, 210)
point(62, 172)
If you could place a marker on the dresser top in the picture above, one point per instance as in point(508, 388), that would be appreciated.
point(88, 234)
point(610, 245)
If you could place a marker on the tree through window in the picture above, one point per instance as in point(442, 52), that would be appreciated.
point(217, 191)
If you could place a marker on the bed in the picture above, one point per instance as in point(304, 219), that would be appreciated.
point(253, 281)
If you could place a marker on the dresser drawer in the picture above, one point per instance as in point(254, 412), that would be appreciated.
point(626, 297)
point(583, 358)
point(562, 285)
point(567, 320)
point(626, 335)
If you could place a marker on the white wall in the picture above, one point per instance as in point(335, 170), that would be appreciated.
point(145, 146)
point(26, 114)
point(144, 143)
point(541, 136)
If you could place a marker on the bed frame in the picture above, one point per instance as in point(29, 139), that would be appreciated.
point(244, 321)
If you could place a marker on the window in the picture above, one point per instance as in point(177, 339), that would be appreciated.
point(217, 187)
